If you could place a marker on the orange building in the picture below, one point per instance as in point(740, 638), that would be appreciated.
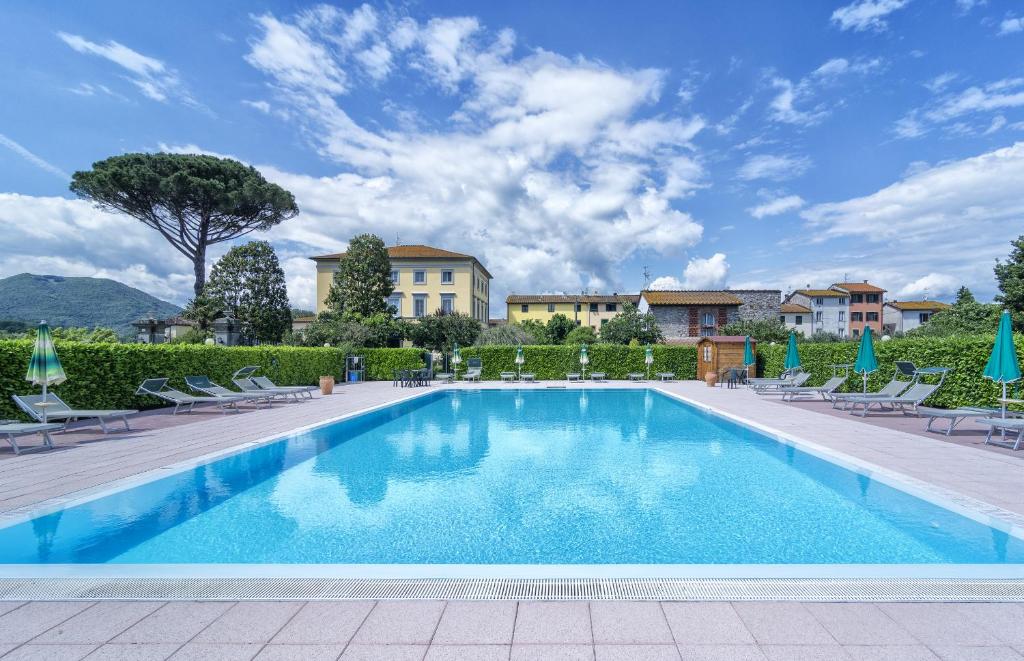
point(866, 301)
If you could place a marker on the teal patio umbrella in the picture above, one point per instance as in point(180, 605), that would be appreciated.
point(866, 362)
point(792, 354)
point(1002, 364)
point(649, 359)
point(584, 360)
point(456, 359)
point(44, 369)
point(748, 354)
point(520, 359)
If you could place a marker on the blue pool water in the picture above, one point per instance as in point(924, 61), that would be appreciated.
point(605, 476)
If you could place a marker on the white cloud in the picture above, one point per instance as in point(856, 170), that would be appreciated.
point(666, 282)
point(706, 273)
point(1011, 25)
point(777, 168)
point(866, 14)
point(37, 161)
point(933, 284)
point(953, 111)
point(998, 122)
point(967, 5)
point(287, 53)
point(784, 105)
point(939, 83)
point(779, 205)
point(262, 106)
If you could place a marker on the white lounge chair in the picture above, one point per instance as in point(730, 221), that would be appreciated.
point(597, 376)
point(12, 429)
point(666, 376)
point(636, 376)
point(572, 377)
point(159, 388)
point(508, 377)
point(204, 385)
point(825, 390)
point(528, 377)
point(57, 410)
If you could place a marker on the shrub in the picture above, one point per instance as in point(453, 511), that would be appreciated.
point(505, 334)
point(616, 360)
point(581, 335)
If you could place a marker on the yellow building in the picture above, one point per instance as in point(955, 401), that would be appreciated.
point(585, 309)
point(426, 280)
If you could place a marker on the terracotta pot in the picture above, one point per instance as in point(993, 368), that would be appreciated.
point(326, 385)
point(711, 379)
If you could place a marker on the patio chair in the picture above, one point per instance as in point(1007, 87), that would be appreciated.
point(12, 429)
point(911, 399)
point(159, 388)
point(572, 377)
point(266, 384)
point(598, 376)
point(1004, 424)
point(57, 410)
point(636, 376)
point(508, 377)
point(204, 385)
point(825, 390)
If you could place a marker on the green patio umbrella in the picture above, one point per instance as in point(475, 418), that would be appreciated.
point(649, 359)
point(866, 361)
point(456, 359)
point(520, 359)
point(748, 355)
point(44, 369)
point(792, 354)
point(584, 360)
point(1002, 364)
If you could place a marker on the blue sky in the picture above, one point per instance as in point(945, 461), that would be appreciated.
point(718, 144)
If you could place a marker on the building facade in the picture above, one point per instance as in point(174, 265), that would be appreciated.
point(426, 280)
point(866, 301)
point(592, 310)
point(796, 317)
point(829, 311)
point(903, 316)
point(685, 316)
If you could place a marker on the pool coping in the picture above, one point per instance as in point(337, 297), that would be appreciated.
point(815, 582)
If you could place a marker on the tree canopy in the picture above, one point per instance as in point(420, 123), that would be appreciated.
point(249, 283)
point(362, 282)
point(1010, 276)
point(558, 327)
point(440, 331)
point(194, 201)
point(581, 335)
point(762, 330)
point(630, 325)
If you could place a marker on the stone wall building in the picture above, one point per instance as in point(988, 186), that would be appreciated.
point(685, 316)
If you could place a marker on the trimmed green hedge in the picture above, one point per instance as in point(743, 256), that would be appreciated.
point(965, 355)
point(106, 375)
point(553, 362)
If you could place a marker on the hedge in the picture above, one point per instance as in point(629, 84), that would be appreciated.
point(106, 375)
point(965, 355)
point(553, 362)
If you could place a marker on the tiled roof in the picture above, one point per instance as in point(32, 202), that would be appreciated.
point(859, 287)
point(413, 252)
point(515, 299)
point(726, 339)
point(689, 297)
point(821, 293)
point(794, 308)
point(918, 305)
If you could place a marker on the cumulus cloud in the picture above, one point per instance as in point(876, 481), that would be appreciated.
point(706, 273)
point(777, 206)
point(1011, 25)
point(666, 282)
point(934, 285)
point(866, 14)
point(774, 167)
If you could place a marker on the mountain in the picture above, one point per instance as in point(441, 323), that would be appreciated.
point(84, 302)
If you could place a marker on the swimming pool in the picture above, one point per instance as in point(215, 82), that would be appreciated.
point(514, 477)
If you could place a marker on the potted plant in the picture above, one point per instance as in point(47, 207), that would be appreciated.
point(327, 381)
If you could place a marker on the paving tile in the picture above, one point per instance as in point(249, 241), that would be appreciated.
point(476, 623)
point(629, 622)
point(720, 653)
point(6, 647)
point(32, 652)
point(250, 622)
point(889, 653)
point(860, 624)
point(394, 622)
point(324, 623)
point(804, 653)
point(981, 653)
point(300, 653)
point(553, 622)
point(99, 623)
point(133, 652)
point(468, 652)
point(706, 623)
point(1001, 619)
point(782, 623)
point(8, 606)
point(174, 622)
point(27, 622)
point(636, 652)
point(940, 624)
point(384, 653)
point(217, 652)
point(552, 652)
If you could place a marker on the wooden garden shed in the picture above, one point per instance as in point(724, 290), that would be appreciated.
point(718, 353)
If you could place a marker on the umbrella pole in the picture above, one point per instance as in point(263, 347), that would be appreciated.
point(44, 402)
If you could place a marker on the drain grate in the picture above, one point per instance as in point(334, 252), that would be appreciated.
point(669, 589)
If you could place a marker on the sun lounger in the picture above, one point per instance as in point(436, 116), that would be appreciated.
point(12, 429)
point(528, 377)
point(775, 388)
point(204, 385)
point(508, 377)
point(957, 415)
point(159, 388)
point(597, 376)
point(1004, 424)
point(266, 384)
point(56, 410)
point(250, 388)
point(911, 399)
point(825, 390)
point(636, 376)
point(666, 376)
point(262, 383)
point(572, 377)
point(472, 374)
point(891, 389)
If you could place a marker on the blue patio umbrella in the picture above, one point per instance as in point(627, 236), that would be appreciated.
point(866, 362)
point(748, 352)
point(792, 354)
point(1002, 364)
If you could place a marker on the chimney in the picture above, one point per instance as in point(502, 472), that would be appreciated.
point(865, 282)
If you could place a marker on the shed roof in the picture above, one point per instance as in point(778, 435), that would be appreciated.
point(689, 297)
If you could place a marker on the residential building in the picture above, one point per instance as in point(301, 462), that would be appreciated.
point(796, 317)
point(592, 310)
point(866, 302)
point(829, 311)
point(685, 316)
point(426, 279)
point(903, 316)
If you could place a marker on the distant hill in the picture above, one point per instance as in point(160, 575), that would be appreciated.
point(83, 302)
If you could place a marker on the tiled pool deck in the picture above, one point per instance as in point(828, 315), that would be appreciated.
point(504, 629)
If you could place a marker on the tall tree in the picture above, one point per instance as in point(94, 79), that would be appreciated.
point(1010, 276)
point(558, 327)
point(362, 282)
point(204, 309)
point(193, 201)
point(964, 296)
point(439, 331)
point(249, 282)
point(630, 325)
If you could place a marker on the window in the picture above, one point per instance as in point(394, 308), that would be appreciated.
point(579, 307)
point(819, 301)
point(593, 307)
point(872, 316)
point(923, 317)
point(842, 300)
point(448, 304)
point(609, 307)
point(524, 308)
point(419, 306)
point(842, 315)
point(782, 318)
point(856, 298)
point(396, 303)
point(447, 278)
point(707, 327)
point(551, 307)
point(856, 316)
point(872, 298)
point(841, 332)
point(394, 276)
point(856, 332)
point(799, 320)
point(817, 316)
point(419, 277)
point(707, 353)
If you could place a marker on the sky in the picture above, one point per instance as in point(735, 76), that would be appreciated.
point(569, 146)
